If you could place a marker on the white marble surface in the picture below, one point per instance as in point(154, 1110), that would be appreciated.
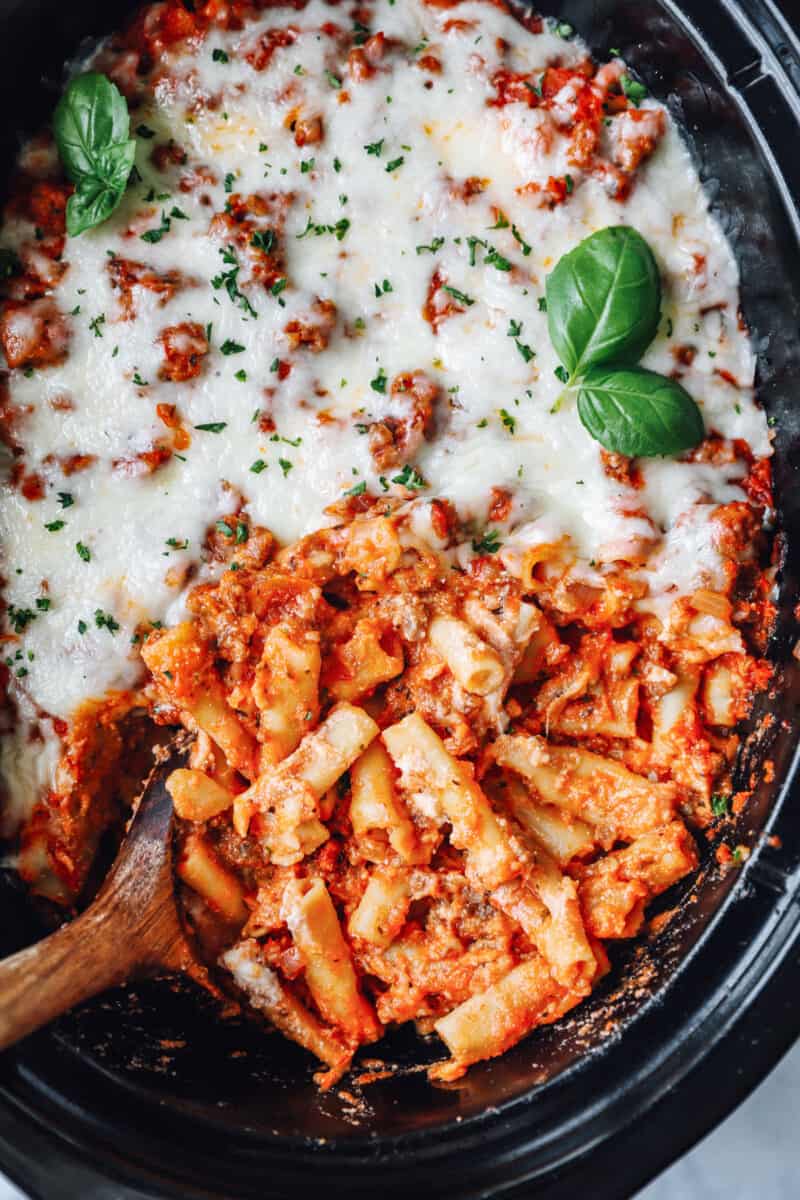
point(754, 1155)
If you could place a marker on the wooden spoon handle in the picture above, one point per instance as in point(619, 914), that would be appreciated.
point(74, 963)
point(131, 928)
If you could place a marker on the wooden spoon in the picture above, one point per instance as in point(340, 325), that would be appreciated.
point(130, 931)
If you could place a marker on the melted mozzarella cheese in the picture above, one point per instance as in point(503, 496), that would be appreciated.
point(501, 422)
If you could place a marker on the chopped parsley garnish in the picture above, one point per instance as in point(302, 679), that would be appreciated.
point(514, 330)
point(523, 245)
point(229, 181)
point(177, 543)
point(20, 618)
point(497, 260)
point(137, 379)
point(178, 214)
point(357, 489)
point(381, 289)
point(43, 603)
point(543, 304)
point(488, 543)
point(564, 29)
point(258, 466)
point(432, 248)
point(410, 478)
point(54, 526)
point(82, 627)
point(229, 281)
point(508, 421)
point(241, 375)
point(263, 240)
point(279, 286)
point(83, 551)
point(719, 805)
point(144, 131)
point(242, 533)
point(231, 347)
point(562, 374)
point(394, 164)
point(332, 79)
point(104, 620)
point(500, 223)
point(224, 527)
point(473, 243)
point(375, 148)
point(273, 366)
point(285, 466)
point(634, 90)
point(155, 235)
point(461, 297)
point(338, 230)
point(306, 166)
point(378, 384)
point(212, 426)
point(570, 182)
point(337, 165)
point(219, 55)
point(96, 325)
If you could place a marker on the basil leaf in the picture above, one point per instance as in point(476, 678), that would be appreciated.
point(91, 116)
point(90, 204)
point(91, 127)
point(640, 414)
point(604, 300)
point(116, 163)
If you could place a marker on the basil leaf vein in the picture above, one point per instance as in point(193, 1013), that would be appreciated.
point(636, 412)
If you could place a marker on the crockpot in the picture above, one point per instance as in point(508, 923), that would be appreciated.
point(145, 1094)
